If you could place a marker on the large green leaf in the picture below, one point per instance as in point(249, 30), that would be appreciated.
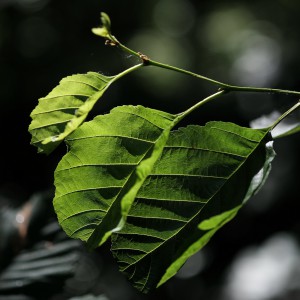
point(65, 108)
point(204, 176)
point(109, 159)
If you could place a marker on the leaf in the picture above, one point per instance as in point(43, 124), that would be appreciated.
point(108, 161)
point(38, 265)
point(104, 30)
point(65, 108)
point(202, 179)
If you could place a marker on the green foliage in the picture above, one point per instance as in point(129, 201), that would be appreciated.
point(109, 159)
point(159, 193)
point(103, 31)
point(198, 185)
point(65, 108)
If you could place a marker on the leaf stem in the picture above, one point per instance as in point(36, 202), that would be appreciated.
point(127, 71)
point(284, 115)
point(224, 86)
point(233, 88)
point(179, 70)
point(200, 103)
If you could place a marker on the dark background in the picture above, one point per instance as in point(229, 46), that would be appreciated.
point(239, 42)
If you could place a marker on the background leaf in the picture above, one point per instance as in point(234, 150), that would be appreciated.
point(65, 108)
point(199, 184)
point(109, 159)
point(286, 127)
point(38, 260)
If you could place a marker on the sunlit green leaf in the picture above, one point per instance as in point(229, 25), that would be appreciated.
point(108, 161)
point(204, 176)
point(65, 108)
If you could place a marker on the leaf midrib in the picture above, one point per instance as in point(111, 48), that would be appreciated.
point(141, 159)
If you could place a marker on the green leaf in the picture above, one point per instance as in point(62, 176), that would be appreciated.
point(204, 176)
point(65, 108)
point(104, 30)
point(108, 161)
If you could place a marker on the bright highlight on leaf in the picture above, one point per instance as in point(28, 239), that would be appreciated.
point(109, 159)
point(65, 108)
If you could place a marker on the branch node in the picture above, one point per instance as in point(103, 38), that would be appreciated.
point(225, 90)
point(144, 58)
point(110, 43)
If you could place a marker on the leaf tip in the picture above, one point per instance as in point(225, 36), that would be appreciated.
point(105, 20)
point(104, 30)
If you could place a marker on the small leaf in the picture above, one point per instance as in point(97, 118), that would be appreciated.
point(104, 30)
point(108, 161)
point(203, 177)
point(65, 108)
point(105, 21)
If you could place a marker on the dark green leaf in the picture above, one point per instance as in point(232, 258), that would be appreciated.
point(204, 176)
point(65, 108)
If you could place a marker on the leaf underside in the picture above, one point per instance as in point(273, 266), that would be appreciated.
point(65, 108)
point(109, 159)
point(173, 190)
point(199, 184)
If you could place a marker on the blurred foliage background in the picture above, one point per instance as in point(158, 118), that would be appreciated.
point(257, 255)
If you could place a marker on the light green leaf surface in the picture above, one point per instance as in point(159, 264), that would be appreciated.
point(104, 30)
point(108, 161)
point(204, 176)
point(65, 108)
